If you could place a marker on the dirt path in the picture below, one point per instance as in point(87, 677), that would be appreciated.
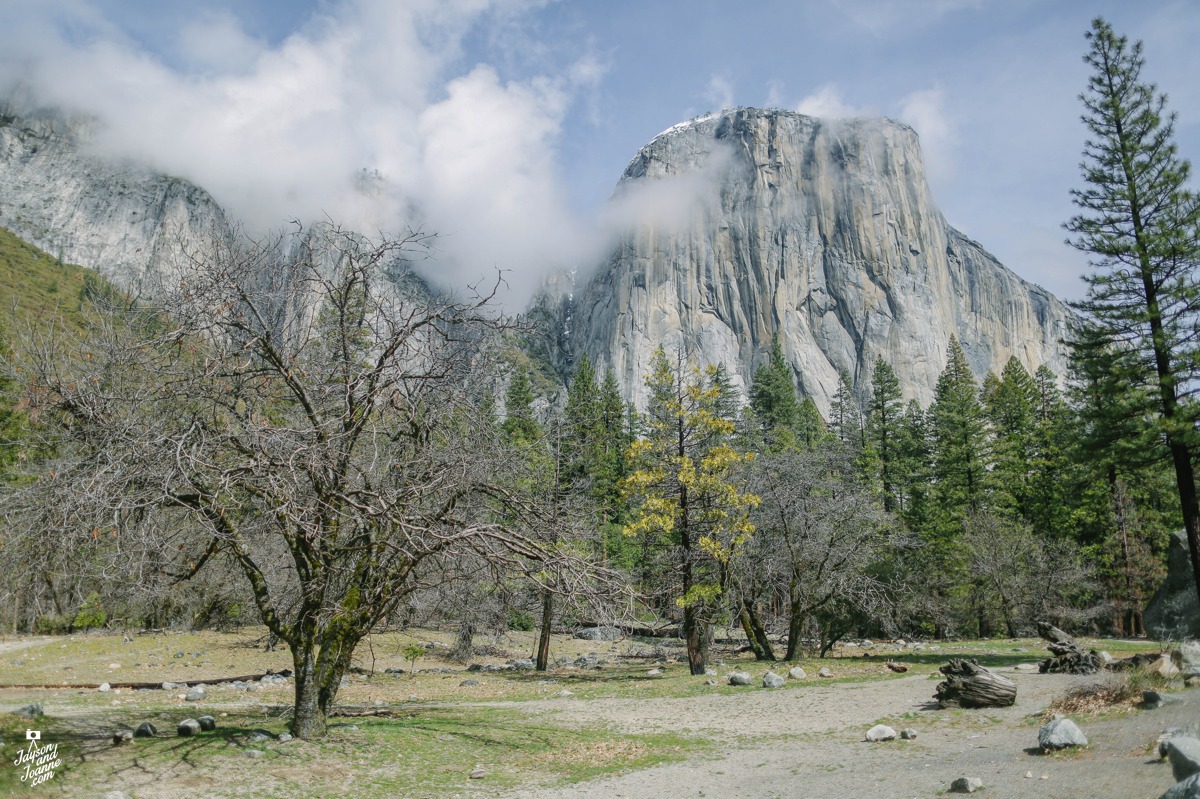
point(806, 743)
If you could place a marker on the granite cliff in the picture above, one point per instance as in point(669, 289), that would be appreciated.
point(823, 233)
point(742, 226)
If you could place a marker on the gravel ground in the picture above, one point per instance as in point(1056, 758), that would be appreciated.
point(806, 742)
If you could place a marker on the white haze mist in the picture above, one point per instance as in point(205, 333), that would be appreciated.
point(361, 118)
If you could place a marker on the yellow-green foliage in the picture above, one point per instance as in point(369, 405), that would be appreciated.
point(682, 481)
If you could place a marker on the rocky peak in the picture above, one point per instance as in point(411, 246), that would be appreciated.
point(758, 223)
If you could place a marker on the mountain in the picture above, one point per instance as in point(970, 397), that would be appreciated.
point(120, 218)
point(761, 223)
point(744, 225)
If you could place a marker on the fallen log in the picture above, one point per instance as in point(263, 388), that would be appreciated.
point(143, 686)
point(1067, 658)
point(969, 685)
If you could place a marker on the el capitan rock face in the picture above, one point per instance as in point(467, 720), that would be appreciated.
point(823, 233)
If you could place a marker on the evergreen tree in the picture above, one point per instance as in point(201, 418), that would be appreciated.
point(582, 433)
point(883, 422)
point(845, 417)
point(913, 468)
point(519, 425)
point(1141, 224)
point(1010, 406)
point(773, 400)
point(959, 445)
point(810, 426)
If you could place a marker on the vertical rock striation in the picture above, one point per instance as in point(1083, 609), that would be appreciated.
point(754, 223)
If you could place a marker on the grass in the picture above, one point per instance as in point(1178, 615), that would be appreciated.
point(437, 731)
point(37, 287)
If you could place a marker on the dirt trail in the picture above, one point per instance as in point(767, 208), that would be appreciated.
point(821, 754)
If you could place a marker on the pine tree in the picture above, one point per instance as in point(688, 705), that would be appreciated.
point(519, 425)
point(845, 417)
point(1010, 408)
point(959, 445)
point(774, 402)
point(1141, 224)
point(883, 422)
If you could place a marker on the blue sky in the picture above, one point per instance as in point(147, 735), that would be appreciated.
point(505, 124)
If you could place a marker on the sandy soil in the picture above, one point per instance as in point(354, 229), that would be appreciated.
point(807, 743)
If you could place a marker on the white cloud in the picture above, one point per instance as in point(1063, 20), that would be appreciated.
point(283, 132)
point(925, 111)
point(826, 103)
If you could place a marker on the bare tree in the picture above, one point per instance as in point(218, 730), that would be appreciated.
point(309, 417)
point(824, 533)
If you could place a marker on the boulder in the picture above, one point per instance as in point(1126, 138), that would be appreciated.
point(32, 711)
point(772, 680)
point(966, 785)
point(1183, 751)
point(1061, 733)
point(1185, 789)
point(739, 678)
point(207, 723)
point(187, 728)
point(122, 736)
point(797, 673)
point(1174, 611)
point(824, 672)
point(881, 732)
point(104, 687)
point(196, 693)
point(145, 730)
point(654, 673)
point(468, 683)
point(908, 734)
point(1189, 658)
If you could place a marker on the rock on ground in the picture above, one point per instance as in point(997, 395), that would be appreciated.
point(797, 673)
point(966, 785)
point(772, 680)
point(599, 634)
point(1061, 734)
point(1184, 789)
point(1184, 753)
point(881, 732)
point(739, 678)
point(187, 727)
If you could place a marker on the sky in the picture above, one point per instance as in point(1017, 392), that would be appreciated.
point(504, 125)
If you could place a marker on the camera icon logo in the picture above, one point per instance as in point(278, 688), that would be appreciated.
point(33, 735)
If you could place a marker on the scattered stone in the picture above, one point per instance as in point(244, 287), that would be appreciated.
point(797, 673)
point(104, 688)
point(196, 693)
point(1184, 789)
point(1184, 753)
point(1104, 656)
point(179, 655)
point(284, 737)
point(1189, 656)
point(773, 680)
point(603, 633)
point(523, 665)
point(710, 672)
point(867, 643)
point(654, 673)
point(122, 736)
point(739, 678)
point(1191, 681)
point(1025, 667)
point(188, 727)
point(824, 672)
point(710, 681)
point(565, 693)
point(258, 736)
point(908, 734)
point(1152, 700)
point(1164, 666)
point(170, 686)
point(881, 732)
point(32, 711)
point(1061, 733)
point(966, 785)
point(207, 723)
point(901, 642)
point(1028, 775)
point(478, 774)
point(253, 753)
point(468, 683)
point(145, 730)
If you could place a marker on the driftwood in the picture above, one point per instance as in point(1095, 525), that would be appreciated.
point(896, 667)
point(1067, 658)
point(145, 686)
point(970, 685)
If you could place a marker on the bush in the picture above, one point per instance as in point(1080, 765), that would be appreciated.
point(91, 615)
point(519, 620)
point(52, 624)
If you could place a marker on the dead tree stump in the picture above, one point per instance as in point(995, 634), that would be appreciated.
point(970, 685)
point(1067, 658)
